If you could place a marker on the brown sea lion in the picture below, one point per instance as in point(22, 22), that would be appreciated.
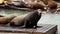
point(6, 19)
point(54, 0)
point(52, 4)
point(17, 21)
point(1, 2)
point(36, 5)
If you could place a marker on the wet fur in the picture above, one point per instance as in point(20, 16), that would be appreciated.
point(37, 5)
point(32, 19)
point(52, 4)
point(17, 21)
point(29, 21)
point(6, 19)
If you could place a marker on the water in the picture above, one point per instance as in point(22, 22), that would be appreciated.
point(6, 12)
point(45, 19)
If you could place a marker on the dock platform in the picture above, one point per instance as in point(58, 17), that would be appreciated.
point(43, 29)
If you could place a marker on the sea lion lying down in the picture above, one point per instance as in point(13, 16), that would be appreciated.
point(6, 19)
point(28, 21)
point(36, 5)
point(17, 21)
point(52, 4)
point(1, 2)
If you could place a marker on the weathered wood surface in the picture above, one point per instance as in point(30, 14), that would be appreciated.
point(13, 33)
point(43, 29)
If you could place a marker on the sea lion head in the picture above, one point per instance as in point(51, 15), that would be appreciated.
point(39, 11)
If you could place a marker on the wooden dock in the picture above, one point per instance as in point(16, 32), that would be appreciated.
point(43, 29)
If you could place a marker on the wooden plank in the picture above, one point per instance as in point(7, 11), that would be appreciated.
point(13, 33)
point(43, 29)
point(46, 29)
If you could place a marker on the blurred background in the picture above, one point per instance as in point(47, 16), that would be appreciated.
point(50, 16)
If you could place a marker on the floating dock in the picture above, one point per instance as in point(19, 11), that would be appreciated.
point(43, 29)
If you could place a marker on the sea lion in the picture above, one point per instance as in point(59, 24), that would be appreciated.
point(6, 19)
point(52, 4)
point(20, 4)
point(28, 21)
point(17, 21)
point(1, 2)
point(32, 19)
point(36, 5)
